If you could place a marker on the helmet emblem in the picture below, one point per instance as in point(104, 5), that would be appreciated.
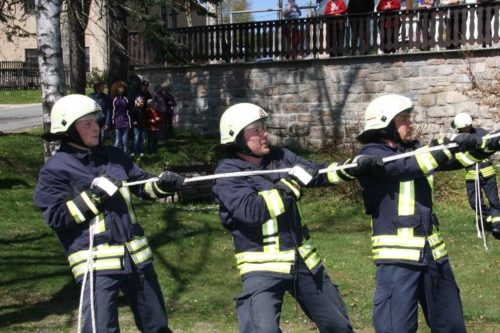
point(261, 113)
point(384, 118)
point(97, 106)
point(63, 122)
point(231, 132)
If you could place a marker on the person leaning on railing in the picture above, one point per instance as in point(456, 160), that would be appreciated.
point(336, 29)
point(486, 39)
point(292, 35)
point(428, 4)
point(387, 5)
point(453, 23)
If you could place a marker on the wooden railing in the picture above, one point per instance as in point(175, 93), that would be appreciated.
point(393, 31)
point(19, 75)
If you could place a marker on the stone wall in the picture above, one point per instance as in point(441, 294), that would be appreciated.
point(316, 99)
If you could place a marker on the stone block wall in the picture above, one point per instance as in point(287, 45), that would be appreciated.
point(314, 100)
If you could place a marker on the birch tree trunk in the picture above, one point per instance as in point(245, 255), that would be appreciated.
point(48, 33)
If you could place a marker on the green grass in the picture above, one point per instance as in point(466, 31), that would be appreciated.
point(26, 96)
point(194, 254)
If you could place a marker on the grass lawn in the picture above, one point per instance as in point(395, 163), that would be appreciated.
point(26, 96)
point(194, 254)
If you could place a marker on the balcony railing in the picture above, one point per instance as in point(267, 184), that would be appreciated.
point(392, 31)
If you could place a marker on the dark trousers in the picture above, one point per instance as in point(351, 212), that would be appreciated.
point(152, 141)
point(143, 294)
point(490, 189)
point(400, 287)
point(259, 305)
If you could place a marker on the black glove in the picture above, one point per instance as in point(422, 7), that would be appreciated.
point(302, 174)
point(366, 165)
point(466, 141)
point(289, 187)
point(103, 188)
point(169, 181)
point(493, 143)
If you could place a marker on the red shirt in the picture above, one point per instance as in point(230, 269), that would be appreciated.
point(151, 116)
point(335, 7)
point(393, 4)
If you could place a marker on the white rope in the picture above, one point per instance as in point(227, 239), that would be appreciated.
point(90, 268)
point(479, 209)
point(286, 170)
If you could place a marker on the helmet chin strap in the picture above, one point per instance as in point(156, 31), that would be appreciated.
point(391, 133)
point(242, 147)
point(74, 137)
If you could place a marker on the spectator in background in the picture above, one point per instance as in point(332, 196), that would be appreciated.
point(170, 103)
point(358, 25)
point(121, 114)
point(140, 124)
point(154, 121)
point(145, 94)
point(159, 97)
point(453, 24)
point(134, 84)
point(336, 28)
point(102, 99)
point(388, 32)
point(425, 28)
point(291, 11)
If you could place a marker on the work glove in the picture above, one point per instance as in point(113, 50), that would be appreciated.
point(103, 188)
point(365, 165)
point(302, 174)
point(169, 181)
point(289, 187)
point(493, 143)
point(466, 142)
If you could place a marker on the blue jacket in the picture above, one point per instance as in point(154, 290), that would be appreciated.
point(400, 200)
point(267, 228)
point(486, 167)
point(103, 100)
point(63, 195)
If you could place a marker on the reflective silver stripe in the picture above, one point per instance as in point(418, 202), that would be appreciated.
point(406, 205)
point(403, 254)
point(435, 239)
point(333, 176)
point(262, 257)
point(276, 267)
point(390, 240)
point(426, 162)
point(75, 212)
point(271, 237)
point(439, 252)
point(105, 264)
point(464, 159)
point(124, 190)
point(274, 203)
point(136, 244)
point(142, 256)
point(109, 251)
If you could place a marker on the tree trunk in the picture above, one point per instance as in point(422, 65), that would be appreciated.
point(118, 42)
point(189, 15)
point(48, 17)
point(78, 19)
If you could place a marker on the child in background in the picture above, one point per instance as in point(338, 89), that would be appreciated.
point(154, 121)
point(140, 123)
point(170, 103)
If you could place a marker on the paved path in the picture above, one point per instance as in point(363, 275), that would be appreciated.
point(15, 118)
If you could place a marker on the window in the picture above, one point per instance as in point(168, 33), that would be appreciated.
point(31, 55)
point(87, 59)
point(29, 6)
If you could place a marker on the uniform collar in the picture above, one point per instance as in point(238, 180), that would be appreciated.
point(81, 153)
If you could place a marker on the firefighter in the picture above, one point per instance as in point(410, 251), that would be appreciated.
point(273, 248)
point(407, 246)
point(83, 181)
point(486, 178)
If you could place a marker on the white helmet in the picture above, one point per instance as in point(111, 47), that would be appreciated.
point(461, 120)
point(235, 119)
point(66, 111)
point(380, 112)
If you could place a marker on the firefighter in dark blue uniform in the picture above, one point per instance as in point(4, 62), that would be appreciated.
point(407, 246)
point(273, 249)
point(481, 173)
point(81, 186)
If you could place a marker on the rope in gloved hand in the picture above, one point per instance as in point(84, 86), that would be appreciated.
point(286, 170)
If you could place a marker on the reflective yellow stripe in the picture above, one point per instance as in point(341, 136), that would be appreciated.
point(405, 232)
point(439, 252)
point(406, 205)
point(110, 251)
point(261, 257)
point(75, 212)
point(392, 240)
point(142, 256)
point(285, 268)
point(333, 177)
point(136, 244)
point(140, 244)
point(273, 202)
point(488, 171)
point(466, 159)
point(402, 254)
point(309, 253)
point(271, 236)
point(426, 162)
point(435, 239)
point(106, 264)
point(124, 190)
